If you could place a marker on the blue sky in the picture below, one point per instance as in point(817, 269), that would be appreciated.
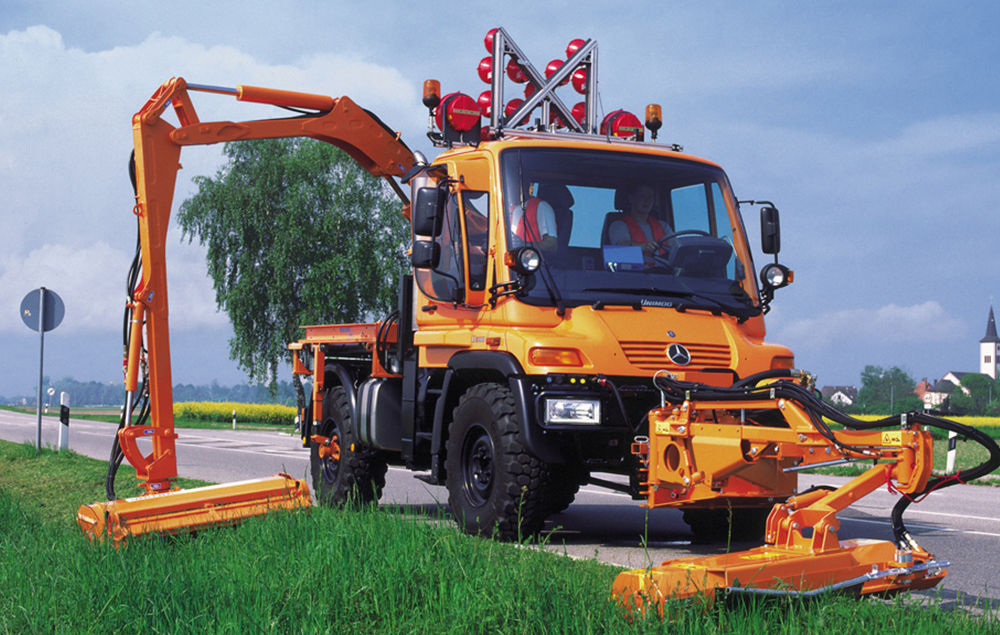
point(875, 127)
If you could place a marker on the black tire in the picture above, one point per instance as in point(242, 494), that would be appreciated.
point(564, 483)
point(495, 485)
point(358, 475)
point(713, 525)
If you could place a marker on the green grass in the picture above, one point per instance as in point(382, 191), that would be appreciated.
point(967, 454)
point(368, 571)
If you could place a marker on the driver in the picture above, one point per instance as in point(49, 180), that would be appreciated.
point(534, 224)
point(638, 226)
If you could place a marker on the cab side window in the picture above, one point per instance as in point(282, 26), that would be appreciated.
point(476, 206)
point(446, 279)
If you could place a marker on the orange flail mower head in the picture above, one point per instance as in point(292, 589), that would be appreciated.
point(191, 509)
point(696, 445)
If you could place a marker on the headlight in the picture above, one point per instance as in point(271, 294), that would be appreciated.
point(523, 260)
point(775, 276)
point(573, 411)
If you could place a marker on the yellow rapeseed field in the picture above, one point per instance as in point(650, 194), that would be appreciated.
point(245, 412)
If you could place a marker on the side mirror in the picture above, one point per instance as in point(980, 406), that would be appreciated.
point(427, 212)
point(770, 230)
point(426, 254)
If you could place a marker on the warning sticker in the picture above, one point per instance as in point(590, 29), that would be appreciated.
point(892, 437)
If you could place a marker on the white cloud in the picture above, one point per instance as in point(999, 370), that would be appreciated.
point(924, 322)
point(91, 282)
point(64, 144)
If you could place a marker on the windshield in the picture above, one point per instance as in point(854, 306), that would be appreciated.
point(627, 229)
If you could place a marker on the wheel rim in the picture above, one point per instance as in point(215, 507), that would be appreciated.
point(477, 465)
point(330, 465)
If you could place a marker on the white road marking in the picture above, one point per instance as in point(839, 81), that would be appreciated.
point(928, 527)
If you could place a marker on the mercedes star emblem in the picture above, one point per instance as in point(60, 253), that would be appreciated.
point(678, 354)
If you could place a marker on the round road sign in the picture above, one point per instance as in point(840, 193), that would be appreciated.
point(54, 309)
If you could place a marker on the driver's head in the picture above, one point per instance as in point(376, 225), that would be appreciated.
point(640, 200)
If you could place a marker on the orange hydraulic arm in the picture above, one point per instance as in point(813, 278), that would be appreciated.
point(699, 448)
point(158, 144)
point(157, 152)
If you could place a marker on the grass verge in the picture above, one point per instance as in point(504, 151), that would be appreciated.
point(967, 453)
point(341, 571)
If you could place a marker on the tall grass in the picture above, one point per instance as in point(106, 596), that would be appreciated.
point(381, 571)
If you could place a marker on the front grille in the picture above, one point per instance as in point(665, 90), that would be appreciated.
point(653, 355)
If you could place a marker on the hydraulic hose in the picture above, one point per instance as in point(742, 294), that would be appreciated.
point(675, 391)
point(141, 401)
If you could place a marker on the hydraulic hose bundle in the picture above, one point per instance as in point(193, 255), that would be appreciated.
point(141, 405)
point(676, 392)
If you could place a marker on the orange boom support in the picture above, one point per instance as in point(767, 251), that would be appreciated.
point(163, 508)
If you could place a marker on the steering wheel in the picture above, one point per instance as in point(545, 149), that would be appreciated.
point(661, 255)
point(661, 243)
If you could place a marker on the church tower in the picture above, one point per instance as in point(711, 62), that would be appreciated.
point(989, 349)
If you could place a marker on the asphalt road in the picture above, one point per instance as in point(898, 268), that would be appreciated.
point(961, 525)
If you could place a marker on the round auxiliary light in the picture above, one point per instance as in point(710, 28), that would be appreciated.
point(552, 67)
point(515, 72)
point(460, 109)
point(622, 123)
point(574, 46)
point(488, 41)
point(526, 260)
point(774, 275)
point(485, 102)
point(485, 69)
point(580, 112)
point(579, 79)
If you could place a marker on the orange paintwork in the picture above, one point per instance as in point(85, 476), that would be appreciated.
point(700, 451)
point(157, 153)
point(180, 511)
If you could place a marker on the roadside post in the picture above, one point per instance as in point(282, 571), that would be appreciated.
point(64, 421)
point(952, 451)
point(41, 310)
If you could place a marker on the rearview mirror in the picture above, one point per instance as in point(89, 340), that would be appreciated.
point(427, 211)
point(426, 254)
point(770, 230)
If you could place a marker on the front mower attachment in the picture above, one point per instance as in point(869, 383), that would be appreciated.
point(858, 567)
point(193, 509)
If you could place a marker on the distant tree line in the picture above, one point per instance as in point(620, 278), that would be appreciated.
point(890, 391)
point(95, 393)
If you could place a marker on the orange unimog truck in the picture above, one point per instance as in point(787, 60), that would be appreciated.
point(519, 363)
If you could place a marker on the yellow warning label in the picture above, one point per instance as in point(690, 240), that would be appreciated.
point(892, 437)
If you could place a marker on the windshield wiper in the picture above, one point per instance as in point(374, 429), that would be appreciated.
point(599, 305)
point(696, 298)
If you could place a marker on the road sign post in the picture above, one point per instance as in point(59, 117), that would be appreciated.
point(42, 310)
